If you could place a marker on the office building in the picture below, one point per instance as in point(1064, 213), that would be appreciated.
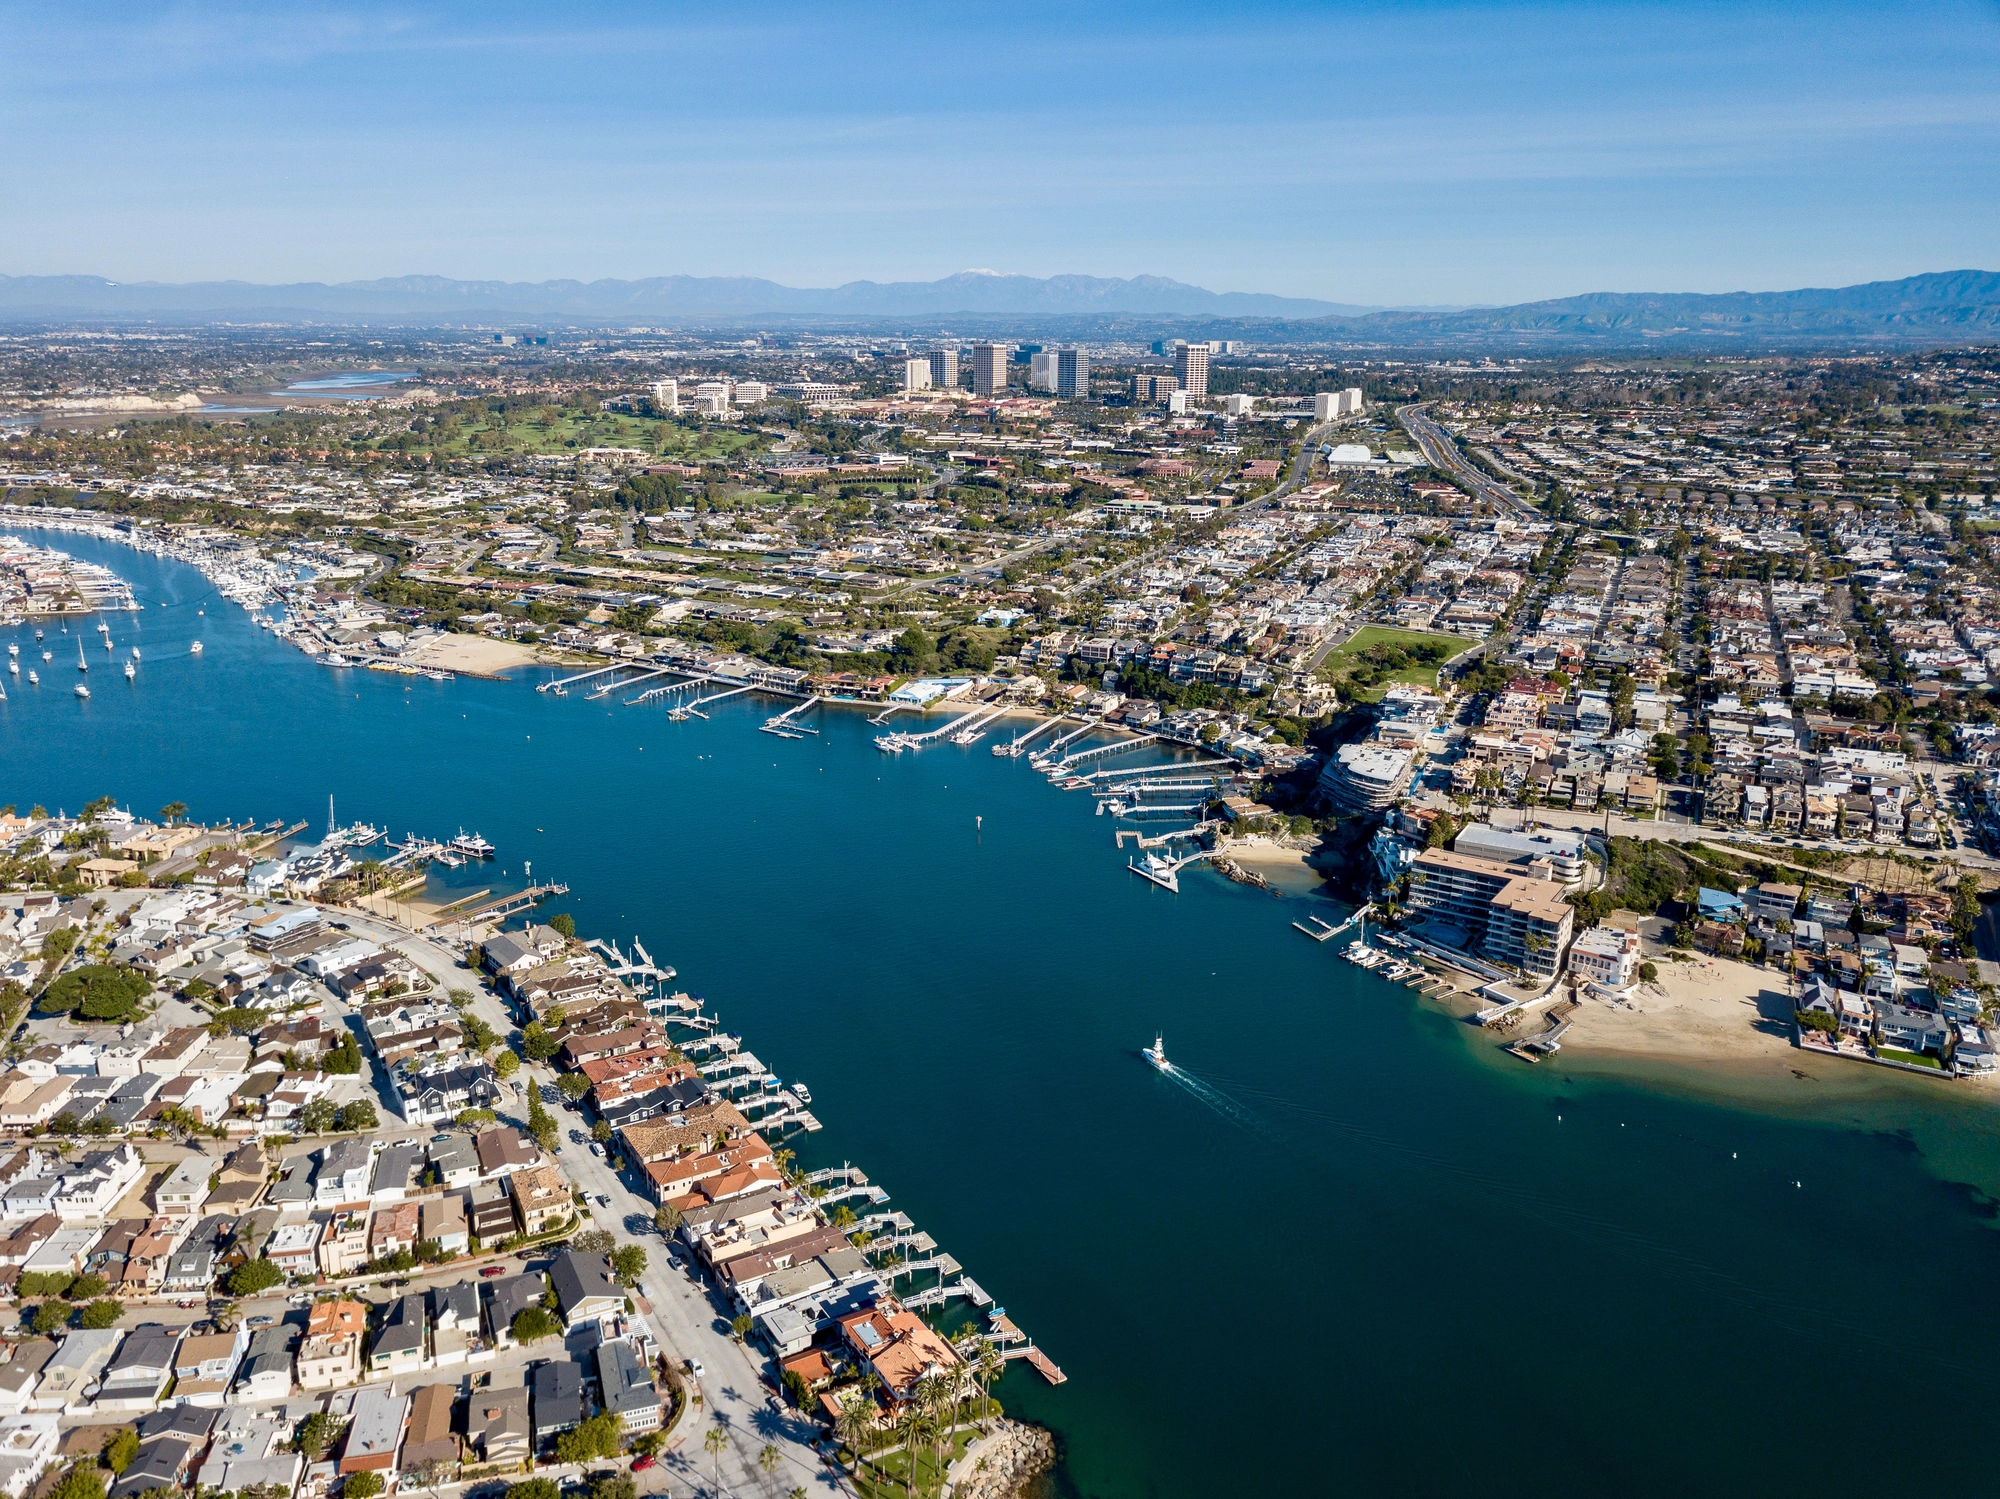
point(989, 369)
point(916, 374)
point(1507, 917)
point(1042, 371)
point(1191, 365)
point(752, 392)
point(667, 395)
point(1154, 387)
point(944, 369)
point(1073, 374)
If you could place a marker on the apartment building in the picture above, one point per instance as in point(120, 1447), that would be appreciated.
point(1511, 919)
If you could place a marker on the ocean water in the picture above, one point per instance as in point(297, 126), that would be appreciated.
point(1357, 1252)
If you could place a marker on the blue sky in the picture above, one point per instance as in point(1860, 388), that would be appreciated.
point(1377, 153)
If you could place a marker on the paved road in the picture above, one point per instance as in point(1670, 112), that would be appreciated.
point(1442, 453)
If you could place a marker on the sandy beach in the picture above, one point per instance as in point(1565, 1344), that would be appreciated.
point(476, 655)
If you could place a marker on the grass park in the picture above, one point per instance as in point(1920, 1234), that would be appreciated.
point(1379, 657)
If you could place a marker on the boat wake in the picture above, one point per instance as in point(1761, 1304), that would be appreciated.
point(1215, 1098)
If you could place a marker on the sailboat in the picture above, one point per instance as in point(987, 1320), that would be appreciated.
point(1156, 1054)
point(81, 664)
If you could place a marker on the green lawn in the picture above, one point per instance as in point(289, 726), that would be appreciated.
point(1342, 663)
point(888, 1478)
point(1894, 1054)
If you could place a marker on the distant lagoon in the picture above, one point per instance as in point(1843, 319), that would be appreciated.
point(353, 385)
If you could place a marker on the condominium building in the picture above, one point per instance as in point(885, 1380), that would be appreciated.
point(1154, 387)
point(916, 374)
point(1549, 853)
point(1042, 371)
point(1365, 777)
point(667, 395)
point(989, 369)
point(1510, 918)
point(1606, 955)
point(1191, 365)
point(944, 368)
point(1073, 374)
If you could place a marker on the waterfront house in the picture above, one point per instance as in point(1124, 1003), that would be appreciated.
point(899, 1348)
point(435, 1091)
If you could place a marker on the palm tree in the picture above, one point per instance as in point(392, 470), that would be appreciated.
point(715, 1441)
point(989, 1367)
point(853, 1424)
point(768, 1460)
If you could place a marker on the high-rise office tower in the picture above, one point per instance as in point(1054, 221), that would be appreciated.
point(944, 368)
point(1191, 364)
point(1073, 374)
point(667, 395)
point(916, 374)
point(989, 369)
point(1042, 371)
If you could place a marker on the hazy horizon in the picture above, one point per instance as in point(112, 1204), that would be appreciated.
point(1384, 154)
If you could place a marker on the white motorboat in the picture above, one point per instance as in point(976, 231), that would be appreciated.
point(131, 671)
point(195, 649)
point(35, 677)
point(81, 690)
point(1156, 1054)
point(471, 845)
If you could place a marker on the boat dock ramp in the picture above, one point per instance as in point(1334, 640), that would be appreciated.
point(1017, 746)
point(1548, 1042)
point(1320, 929)
point(693, 710)
point(782, 724)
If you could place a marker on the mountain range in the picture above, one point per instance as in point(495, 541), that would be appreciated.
point(1948, 306)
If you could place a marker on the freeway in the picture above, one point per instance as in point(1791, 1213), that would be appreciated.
point(1443, 454)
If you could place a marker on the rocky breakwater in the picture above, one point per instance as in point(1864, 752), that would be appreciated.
point(1002, 1463)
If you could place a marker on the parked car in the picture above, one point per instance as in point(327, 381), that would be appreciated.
point(258, 1321)
point(494, 1270)
point(642, 1462)
point(603, 1201)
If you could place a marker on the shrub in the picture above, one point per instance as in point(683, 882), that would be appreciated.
point(362, 1485)
point(252, 1276)
point(532, 1324)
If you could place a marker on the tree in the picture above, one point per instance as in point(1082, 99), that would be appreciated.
point(343, 1057)
point(768, 1460)
point(101, 1314)
point(855, 1422)
point(505, 1063)
point(316, 1117)
point(317, 1433)
point(612, 1485)
point(537, 1043)
point(574, 1085)
point(170, 813)
point(601, 1132)
point(478, 1034)
point(628, 1263)
point(51, 1316)
point(531, 1324)
point(740, 1325)
point(253, 1276)
point(533, 1488)
point(1648, 973)
point(97, 990)
point(600, 1436)
point(667, 1218)
point(564, 923)
point(85, 1287)
point(541, 1127)
point(715, 1441)
point(120, 1449)
point(80, 1482)
point(363, 1485)
point(475, 1118)
point(359, 1115)
point(594, 1241)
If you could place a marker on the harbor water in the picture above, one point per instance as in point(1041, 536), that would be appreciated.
point(1353, 1251)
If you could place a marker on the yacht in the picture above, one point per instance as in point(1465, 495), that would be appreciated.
point(81, 690)
point(35, 677)
point(135, 653)
point(195, 649)
point(48, 655)
point(13, 650)
point(1156, 1054)
point(801, 1092)
point(131, 671)
point(472, 846)
point(13, 666)
point(38, 634)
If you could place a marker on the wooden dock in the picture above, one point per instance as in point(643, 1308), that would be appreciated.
point(1045, 1366)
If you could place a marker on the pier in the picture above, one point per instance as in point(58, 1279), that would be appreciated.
point(1049, 756)
point(645, 676)
point(671, 688)
point(962, 730)
point(1166, 873)
point(1018, 745)
point(560, 686)
point(496, 910)
point(1116, 747)
point(783, 726)
point(693, 709)
point(1320, 930)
